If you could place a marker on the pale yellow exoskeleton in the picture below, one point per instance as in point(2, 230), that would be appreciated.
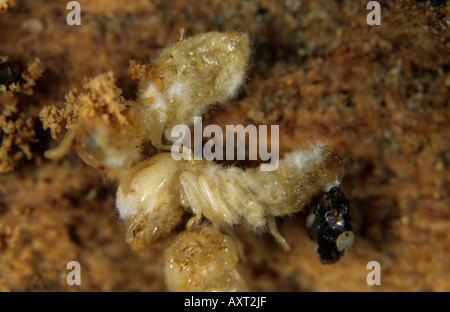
point(151, 201)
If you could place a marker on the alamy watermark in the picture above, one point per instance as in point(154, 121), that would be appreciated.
point(74, 276)
point(74, 16)
point(235, 136)
point(374, 16)
point(374, 276)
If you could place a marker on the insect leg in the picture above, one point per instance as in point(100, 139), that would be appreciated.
point(63, 147)
point(274, 231)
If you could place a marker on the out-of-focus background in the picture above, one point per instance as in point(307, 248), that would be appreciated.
point(379, 94)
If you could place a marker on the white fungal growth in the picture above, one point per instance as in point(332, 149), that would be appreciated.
point(203, 259)
point(190, 76)
point(149, 203)
point(109, 132)
point(226, 196)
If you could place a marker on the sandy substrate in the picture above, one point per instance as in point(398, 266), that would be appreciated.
point(379, 95)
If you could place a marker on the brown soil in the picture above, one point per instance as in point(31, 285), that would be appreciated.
point(378, 94)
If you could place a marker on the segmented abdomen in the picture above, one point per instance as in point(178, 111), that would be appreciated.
point(231, 195)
